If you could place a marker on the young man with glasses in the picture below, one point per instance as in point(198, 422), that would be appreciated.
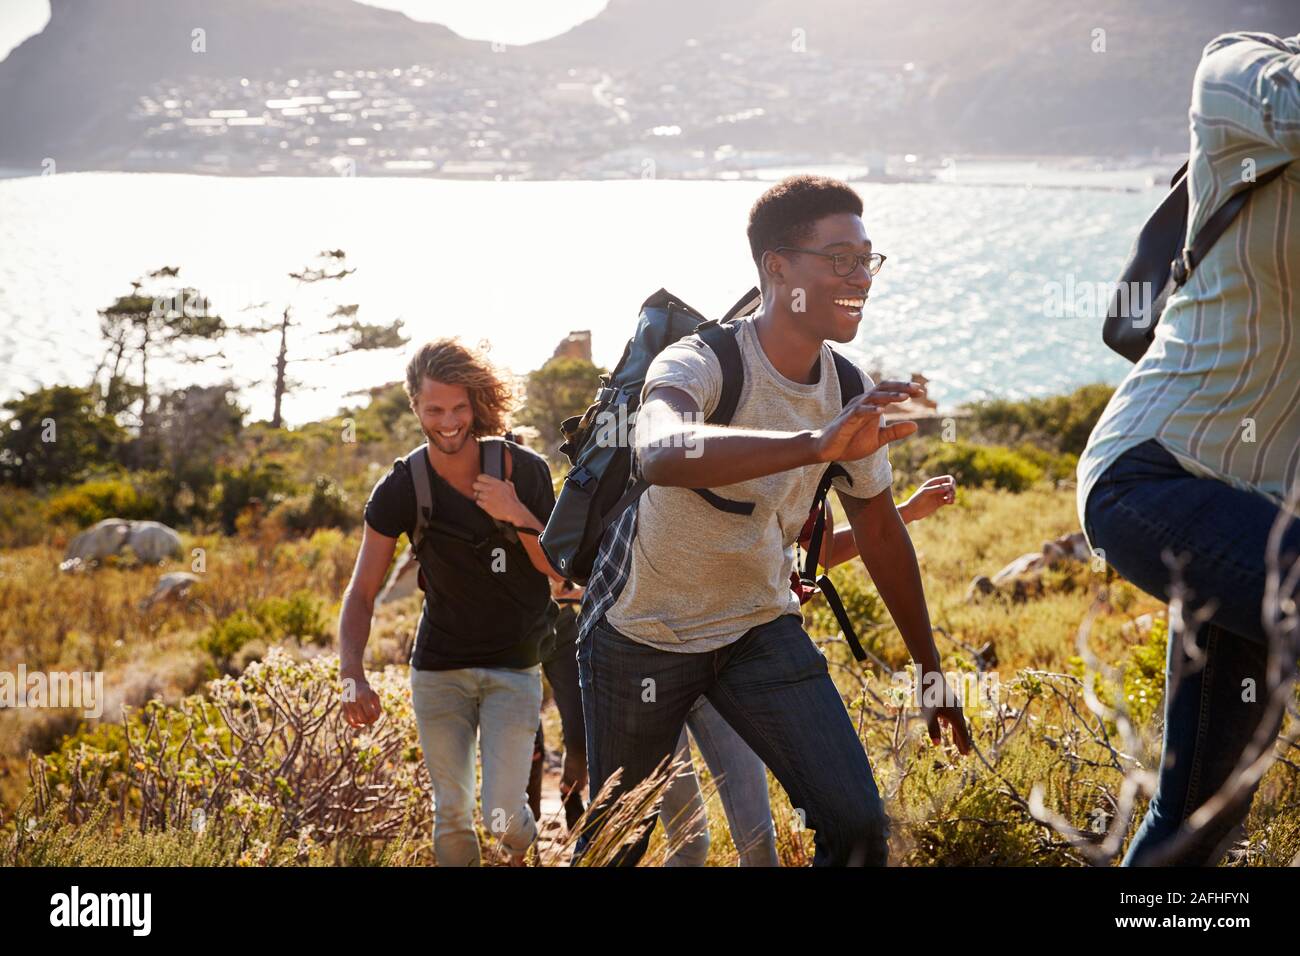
point(687, 598)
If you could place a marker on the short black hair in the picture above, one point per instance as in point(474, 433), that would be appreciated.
point(786, 213)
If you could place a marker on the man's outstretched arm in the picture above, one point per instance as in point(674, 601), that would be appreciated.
point(887, 552)
point(677, 449)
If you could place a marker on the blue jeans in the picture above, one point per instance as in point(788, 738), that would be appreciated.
point(495, 707)
point(742, 787)
point(1143, 505)
point(773, 687)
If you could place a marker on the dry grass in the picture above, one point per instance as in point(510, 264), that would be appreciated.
point(946, 809)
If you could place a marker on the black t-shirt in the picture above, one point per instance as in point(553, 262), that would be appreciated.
point(486, 605)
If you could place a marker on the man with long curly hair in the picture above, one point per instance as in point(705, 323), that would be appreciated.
point(475, 669)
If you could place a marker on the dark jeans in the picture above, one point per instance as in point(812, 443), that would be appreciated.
point(773, 687)
point(562, 674)
point(561, 670)
point(1143, 505)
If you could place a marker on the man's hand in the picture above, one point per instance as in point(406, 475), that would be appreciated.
point(497, 497)
point(895, 391)
point(952, 716)
point(365, 706)
point(856, 433)
point(929, 498)
point(566, 591)
point(934, 685)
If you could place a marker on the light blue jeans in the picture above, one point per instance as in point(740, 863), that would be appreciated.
point(742, 786)
point(498, 707)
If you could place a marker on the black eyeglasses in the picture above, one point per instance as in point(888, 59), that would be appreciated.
point(844, 263)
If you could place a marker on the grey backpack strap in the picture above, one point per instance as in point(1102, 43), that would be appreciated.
point(418, 466)
point(492, 459)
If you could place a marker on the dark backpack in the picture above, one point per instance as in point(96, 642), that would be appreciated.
point(601, 484)
point(1159, 264)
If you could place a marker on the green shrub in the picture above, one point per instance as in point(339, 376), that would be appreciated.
point(270, 619)
point(1144, 673)
point(560, 388)
point(298, 616)
point(55, 436)
point(228, 637)
point(1061, 422)
point(93, 501)
point(326, 543)
point(239, 487)
point(1056, 466)
point(982, 465)
point(327, 505)
point(23, 519)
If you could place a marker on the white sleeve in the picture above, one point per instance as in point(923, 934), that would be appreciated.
point(689, 365)
point(871, 475)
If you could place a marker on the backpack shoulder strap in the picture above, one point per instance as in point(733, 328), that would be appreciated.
point(419, 471)
point(851, 384)
point(1209, 233)
point(722, 339)
point(492, 459)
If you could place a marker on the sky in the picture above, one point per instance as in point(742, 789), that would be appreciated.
point(509, 21)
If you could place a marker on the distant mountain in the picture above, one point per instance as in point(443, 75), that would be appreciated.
point(1006, 75)
point(65, 92)
point(985, 76)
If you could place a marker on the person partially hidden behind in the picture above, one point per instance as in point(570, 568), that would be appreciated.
point(475, 671)
point(1194, 456)
point(560, 665)
point(689, 598)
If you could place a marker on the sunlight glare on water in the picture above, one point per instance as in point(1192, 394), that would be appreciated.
point(961, 298)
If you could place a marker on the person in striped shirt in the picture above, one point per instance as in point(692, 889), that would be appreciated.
point(1192, 461)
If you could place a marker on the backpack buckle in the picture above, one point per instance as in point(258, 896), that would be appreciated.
point(581, 477)
point(1181, 267)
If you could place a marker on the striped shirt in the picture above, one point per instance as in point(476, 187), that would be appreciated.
point(1219, 387)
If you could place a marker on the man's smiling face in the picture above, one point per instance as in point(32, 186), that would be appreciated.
point(446, 416)
point(832, 304)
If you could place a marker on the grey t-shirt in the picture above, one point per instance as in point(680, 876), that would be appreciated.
point(701, 577)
